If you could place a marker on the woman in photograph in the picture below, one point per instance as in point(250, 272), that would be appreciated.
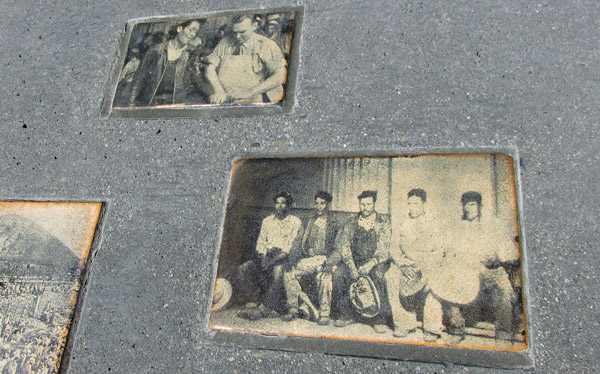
point(164, 76)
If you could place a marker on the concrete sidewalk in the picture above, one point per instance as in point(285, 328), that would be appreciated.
point(373, 75)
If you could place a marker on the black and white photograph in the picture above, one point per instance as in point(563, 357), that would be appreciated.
point(238, 60)
point(44, 248)
point(402, 250)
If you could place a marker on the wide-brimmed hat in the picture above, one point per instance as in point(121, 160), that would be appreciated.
point(364, 297)
point(222, 295)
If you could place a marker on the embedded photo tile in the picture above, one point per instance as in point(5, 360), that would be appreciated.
point(405, 250)
point(237, 60)
point(44, 247)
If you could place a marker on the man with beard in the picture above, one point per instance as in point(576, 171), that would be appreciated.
point(246, 67)
point(308, 259)
point(361, 248)
point(278, 234)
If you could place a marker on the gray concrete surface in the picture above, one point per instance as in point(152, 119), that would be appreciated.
point(380, 74)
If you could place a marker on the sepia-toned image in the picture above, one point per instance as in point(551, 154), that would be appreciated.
point(228, 61)
point(44, 248)
point(419, 250)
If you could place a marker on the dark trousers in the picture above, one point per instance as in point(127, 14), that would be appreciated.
point(493, 304)
point(269, 282)
point(341, 306)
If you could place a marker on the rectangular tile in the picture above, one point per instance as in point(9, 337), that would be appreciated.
point(407, 257)
point(44, 248)
point(241, 62)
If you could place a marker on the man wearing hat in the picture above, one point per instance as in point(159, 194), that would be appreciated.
point(279, 232)
point(308, 258)
point(361, 249)
point(471, 276)
point(495, 250)
point(471, 204)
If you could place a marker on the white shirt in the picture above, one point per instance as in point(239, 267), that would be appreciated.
point(277, 233)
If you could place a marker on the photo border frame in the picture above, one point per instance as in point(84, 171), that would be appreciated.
point(66, 354)
point(524, 359)
point(205, 110)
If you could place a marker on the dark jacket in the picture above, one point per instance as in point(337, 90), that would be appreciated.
point(300, 251)
point(343, 252)
point(148, 76)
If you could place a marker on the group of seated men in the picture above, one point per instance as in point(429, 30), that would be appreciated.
point(448, 267)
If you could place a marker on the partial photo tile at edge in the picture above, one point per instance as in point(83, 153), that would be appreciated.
point(44, 249)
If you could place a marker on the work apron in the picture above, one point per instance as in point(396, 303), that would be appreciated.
point(238, 72)
point(455, 282)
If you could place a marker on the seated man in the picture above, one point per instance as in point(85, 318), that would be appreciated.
point(278, 233)
point(361, 248)
point(317, 245)
point(472, 272)
point(407, 274)
point(246, 67)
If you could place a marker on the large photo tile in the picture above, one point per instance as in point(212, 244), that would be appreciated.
point(235, 62)
point(44, 249)
point(405, 250)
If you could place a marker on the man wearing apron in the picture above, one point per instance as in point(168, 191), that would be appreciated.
point(246, 67)
point(471, 273)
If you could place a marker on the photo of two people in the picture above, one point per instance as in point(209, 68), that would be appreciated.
point(221, 60)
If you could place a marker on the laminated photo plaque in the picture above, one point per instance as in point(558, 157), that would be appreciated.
point(236, 62)
point(44, 251)
point(412, 257)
